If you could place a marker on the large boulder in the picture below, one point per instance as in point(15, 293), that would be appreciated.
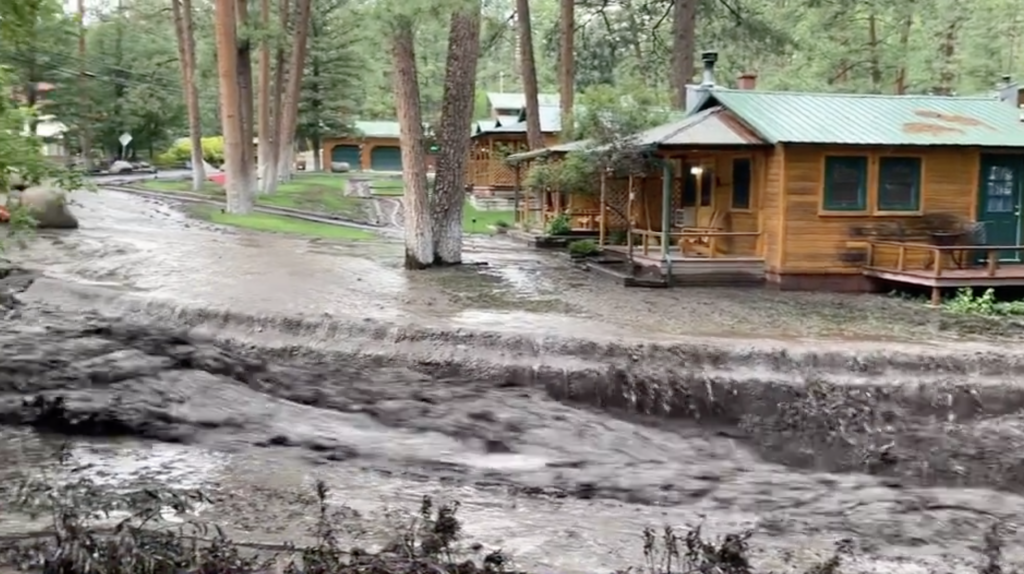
point(340, 166)
point(121, 166)
point(48, 206)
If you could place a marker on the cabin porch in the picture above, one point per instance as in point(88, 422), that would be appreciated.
point(945, 266)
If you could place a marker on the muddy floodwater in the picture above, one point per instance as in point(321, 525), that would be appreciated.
point(563, 412)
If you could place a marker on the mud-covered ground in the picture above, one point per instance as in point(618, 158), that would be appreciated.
point(151, 246)
point(560, 426)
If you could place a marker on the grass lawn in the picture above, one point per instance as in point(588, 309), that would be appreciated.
point(388, 186)
point(311, 192)
point(279, 224)
point(475, 221)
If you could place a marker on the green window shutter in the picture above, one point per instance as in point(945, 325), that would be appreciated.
point(899, 184)
point(846, 183)
point(741, 183)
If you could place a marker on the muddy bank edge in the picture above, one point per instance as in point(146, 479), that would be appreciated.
point(934, 414)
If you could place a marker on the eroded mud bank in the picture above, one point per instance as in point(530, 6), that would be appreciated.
point(929, 415)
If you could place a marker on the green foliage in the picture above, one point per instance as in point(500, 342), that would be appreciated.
point(330, 98)
point(584, 248)
point(181, 151)
point(966, 303)
point(560, 225)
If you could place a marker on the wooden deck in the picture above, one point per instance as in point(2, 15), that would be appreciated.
point(697, 270)
point(943, 267)
point(1005, 276)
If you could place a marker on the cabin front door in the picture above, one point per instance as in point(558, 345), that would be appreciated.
point(999, 195)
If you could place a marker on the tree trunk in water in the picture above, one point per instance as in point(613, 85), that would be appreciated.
point(567, 66)
point(269, 183)
point(290, 112)
point(263, 100)
point(245, 95)
point(419, 245)
point(684, 30)
point(534, 137)
point(453, 135)
point(227, 70)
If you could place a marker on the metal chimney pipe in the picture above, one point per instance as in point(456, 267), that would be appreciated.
point(709, 59)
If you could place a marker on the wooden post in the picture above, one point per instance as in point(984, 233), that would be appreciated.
point(901, 260)
point(516, 216)
point(603, 207)
point(871, 254)
point(629, 220)
point(936, 296)
point(993, 262)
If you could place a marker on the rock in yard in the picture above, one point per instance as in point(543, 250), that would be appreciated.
point(340, 166)
point(120, 166)
point(48, 206)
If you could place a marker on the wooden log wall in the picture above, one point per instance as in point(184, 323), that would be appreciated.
point(817, 243)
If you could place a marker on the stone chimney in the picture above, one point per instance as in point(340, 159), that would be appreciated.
point(709, 59)
point(746, 81)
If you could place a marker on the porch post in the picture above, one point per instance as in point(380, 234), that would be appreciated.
point(666, 216)
point(629, 221)
point(515, 194)
point(601, 207)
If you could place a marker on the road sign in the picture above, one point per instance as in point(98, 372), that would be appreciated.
point(125, 139)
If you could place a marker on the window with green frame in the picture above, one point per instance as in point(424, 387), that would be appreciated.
point(846, 183)
point(899, 184)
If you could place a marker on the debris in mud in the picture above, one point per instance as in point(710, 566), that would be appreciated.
point(432, 542)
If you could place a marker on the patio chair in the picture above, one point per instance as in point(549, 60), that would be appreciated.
point(701, 245)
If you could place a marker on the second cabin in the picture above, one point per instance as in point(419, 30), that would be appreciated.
point(824, 191)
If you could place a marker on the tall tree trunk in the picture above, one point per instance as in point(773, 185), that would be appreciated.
point(187, 53)
point(227, 70)
point(419, 244)
point(245, 95)
point(874, 57)
point(84, 119)
point(901, 72)
point(534, 137)
point(684, 30)
point(453, 135)
point(567, 66)
point(263, 99)
point(290, 111)
point(269, 183)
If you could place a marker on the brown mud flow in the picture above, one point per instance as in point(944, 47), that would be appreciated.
point(564, 413)
point(910, 450)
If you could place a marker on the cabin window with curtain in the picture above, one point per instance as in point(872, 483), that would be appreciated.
point(846, 183)
point(741, 183)
point(899, 184)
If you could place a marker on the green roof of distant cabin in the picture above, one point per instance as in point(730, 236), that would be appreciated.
point(379, 129)
point(858, 119)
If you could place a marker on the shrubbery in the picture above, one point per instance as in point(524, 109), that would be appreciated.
point(181, 152)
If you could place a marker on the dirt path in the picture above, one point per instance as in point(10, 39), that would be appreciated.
point(387, 210)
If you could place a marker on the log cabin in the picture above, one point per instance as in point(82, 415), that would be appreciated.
point(823, 191)
point(487, 175)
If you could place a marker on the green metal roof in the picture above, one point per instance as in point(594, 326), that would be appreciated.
point(856, 119)
point(379, 129)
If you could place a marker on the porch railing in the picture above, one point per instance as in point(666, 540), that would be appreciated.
point(936, 260)
point(709, 242)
